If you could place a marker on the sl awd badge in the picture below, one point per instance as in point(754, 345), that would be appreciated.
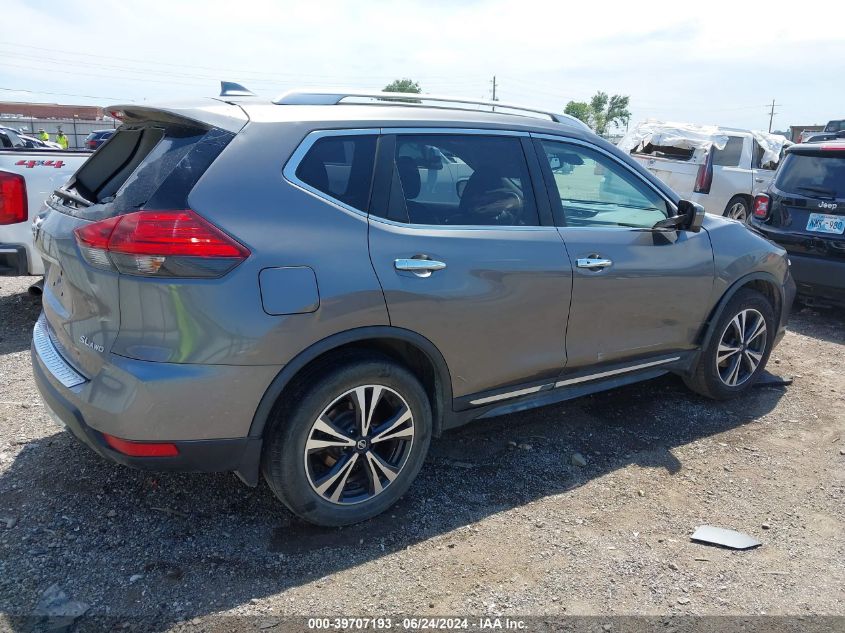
point(89, 343)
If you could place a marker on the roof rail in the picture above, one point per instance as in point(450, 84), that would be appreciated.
point(333, 96)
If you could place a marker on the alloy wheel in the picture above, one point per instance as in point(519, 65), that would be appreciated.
point(359, 444)
point(741, 347)
point(738, 211)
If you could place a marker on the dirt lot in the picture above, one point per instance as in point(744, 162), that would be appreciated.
point(500, 520)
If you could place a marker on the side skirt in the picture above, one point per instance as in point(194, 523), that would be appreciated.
point(565, 387)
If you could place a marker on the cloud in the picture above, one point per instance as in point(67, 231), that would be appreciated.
point(719, 62)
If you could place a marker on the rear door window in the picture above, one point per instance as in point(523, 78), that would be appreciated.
point(813, 176)
point(460, 180)
point(730, 155)
point(341, 167)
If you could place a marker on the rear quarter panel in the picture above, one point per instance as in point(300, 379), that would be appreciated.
point(222, 321)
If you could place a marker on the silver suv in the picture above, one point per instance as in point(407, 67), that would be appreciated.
point(311, 288)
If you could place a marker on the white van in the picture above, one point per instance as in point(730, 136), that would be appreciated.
point(720, 168)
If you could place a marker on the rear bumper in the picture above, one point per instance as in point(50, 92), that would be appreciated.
point(822, 279)
point(204, 411)
point(240, 454)
point(13, 260)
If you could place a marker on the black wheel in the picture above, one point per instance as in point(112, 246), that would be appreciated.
point(350, 443)
point(739, 348)
point(737, 209)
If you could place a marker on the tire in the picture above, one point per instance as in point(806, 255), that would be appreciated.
point(329, 484)
point(738, 209)
point(717, 380)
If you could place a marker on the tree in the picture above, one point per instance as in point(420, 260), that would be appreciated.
point(403, 85)
point(602, 112)
point(580, 110)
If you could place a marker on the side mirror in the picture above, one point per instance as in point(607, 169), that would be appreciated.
point(690, 218)
point(694, 213)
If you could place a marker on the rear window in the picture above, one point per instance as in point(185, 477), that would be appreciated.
point(813, 175)
point(152, 166)
point(729, 156)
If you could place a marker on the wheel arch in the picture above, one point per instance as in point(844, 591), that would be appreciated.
point(747, 197)
point(761, 281)
point(414, 351)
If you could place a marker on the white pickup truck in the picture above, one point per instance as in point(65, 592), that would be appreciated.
point(720, 168)
point(27, 178)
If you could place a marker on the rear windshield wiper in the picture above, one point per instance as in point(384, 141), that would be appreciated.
point(67, 195)
point(830, 193)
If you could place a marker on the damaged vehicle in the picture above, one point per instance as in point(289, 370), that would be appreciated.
point(720, 168)
point(311, 289)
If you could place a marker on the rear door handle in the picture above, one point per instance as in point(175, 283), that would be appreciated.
point(593, 263)
point(420, 267)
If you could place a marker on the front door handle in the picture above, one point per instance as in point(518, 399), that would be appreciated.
point(758, 180)
point(593, 263)
point(420, 267)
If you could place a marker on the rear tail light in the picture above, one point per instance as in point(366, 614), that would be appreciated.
point(762, 206)
point(141, 449)
point(704, 177)
point(13, 203)
point(160, 244)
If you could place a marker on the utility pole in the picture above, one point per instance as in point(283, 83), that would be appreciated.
point(772, 114)
point(494, 92)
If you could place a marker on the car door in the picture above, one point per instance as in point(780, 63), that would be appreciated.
point(637, 292)
point(731, 172)
point(482, 272)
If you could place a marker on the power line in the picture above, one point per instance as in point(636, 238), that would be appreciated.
point(59, 94)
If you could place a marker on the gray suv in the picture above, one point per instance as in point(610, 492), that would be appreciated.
point(311, 288)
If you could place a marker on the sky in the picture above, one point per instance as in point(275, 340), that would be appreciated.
point(700, 62)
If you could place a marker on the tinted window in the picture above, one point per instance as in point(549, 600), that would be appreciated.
point(594, 190)
point(341, 167)
point(813, 176)
point(461, 180)
point(729, 156)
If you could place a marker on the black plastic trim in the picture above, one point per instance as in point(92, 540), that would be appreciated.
point(13, 264)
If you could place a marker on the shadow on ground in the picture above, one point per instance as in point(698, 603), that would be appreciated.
point(18, 313)
point(175, 546)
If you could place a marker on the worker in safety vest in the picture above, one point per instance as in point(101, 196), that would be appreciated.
point(42, 135)
point(61, 139)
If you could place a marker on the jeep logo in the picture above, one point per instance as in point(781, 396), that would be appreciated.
point(827, 205)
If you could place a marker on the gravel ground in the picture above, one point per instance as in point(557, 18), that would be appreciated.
point(500, 521)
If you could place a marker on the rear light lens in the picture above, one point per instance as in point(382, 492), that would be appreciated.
point(13, 203)
point(160, 244)
point(141, 449)
point(704, 177)
point(762, 206)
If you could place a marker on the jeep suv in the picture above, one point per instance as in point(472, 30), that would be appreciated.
point(803, 211)
point(312, 289)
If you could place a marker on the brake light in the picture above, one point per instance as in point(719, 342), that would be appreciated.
point(704, 177)
point(141, 449)
point(761, 207)
point(160, 243)
point(13, 203)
